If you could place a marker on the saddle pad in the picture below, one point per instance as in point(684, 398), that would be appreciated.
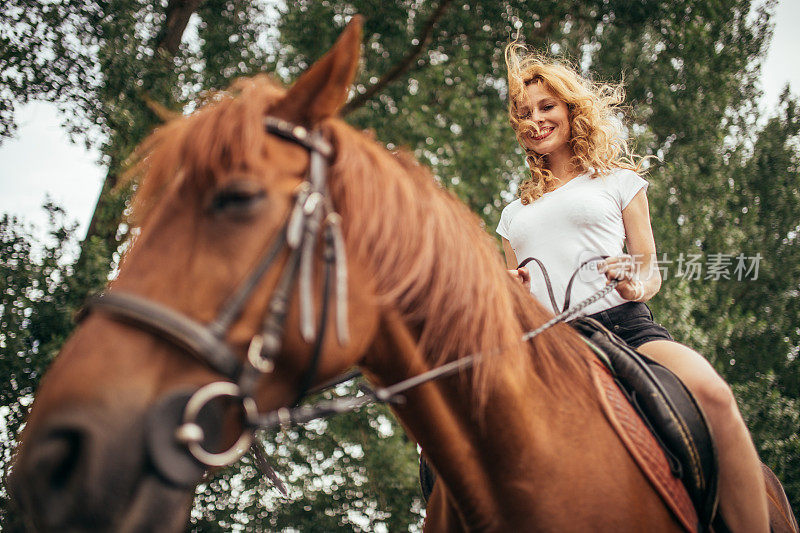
point(643, 447)
point(669, 411)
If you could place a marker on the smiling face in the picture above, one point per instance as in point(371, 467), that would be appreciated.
point(550, 116)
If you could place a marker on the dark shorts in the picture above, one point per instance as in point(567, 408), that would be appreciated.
point(633, 322)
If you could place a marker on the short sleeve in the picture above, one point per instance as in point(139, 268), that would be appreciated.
point(629, 183)
point(505, 220)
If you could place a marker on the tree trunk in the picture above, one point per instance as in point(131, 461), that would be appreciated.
point(108, 210)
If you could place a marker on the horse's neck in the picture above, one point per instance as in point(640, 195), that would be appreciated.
point(536, 459)
point(440, 431)
point(477, 455)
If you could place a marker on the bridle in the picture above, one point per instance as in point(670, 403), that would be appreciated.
point(312, 211)
point(174, 425)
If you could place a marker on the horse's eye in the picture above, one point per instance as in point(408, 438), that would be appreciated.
point(237, 200)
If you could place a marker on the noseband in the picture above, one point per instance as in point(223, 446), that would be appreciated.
point(312, 211)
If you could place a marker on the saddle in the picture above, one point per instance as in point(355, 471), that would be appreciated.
point(662, 401)
point(665, 406)
point(668, 409)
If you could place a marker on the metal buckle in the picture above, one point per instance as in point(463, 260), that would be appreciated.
point(311, 202)
point(254, 351)
point(191, 434)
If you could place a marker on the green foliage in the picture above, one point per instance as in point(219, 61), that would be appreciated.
point(774, 420)
point(48, 51)
point(228, 33)
point(766, 204)
point(355, 472)
point(432, 81)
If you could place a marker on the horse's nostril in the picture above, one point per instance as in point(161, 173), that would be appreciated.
point(77, 470)
point(57, 457)
point(47, 479)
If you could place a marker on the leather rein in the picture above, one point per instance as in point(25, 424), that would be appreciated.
point(176, 423)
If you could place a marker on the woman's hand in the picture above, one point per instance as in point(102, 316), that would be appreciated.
point(623, 269)
point(522, 275)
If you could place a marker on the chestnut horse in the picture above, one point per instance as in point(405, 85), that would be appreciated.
point(519, 441)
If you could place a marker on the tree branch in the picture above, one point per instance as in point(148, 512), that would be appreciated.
point(168, 41)
point(422, 41)
point(178, 14)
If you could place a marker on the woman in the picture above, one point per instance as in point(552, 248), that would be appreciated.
point(584, 199)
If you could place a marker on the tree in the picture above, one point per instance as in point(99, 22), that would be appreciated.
point(765, 200)
point(356, 472)
point(37, 303)
point(433, 81)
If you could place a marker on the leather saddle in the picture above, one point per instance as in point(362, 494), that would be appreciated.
point(669, 411)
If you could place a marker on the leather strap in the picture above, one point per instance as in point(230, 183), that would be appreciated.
point(547, 282)
point(549, 285)
point(195, 337)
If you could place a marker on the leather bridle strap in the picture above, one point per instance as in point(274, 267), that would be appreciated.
point(547, 283)
point(236, 302)
point(568, 291)
point(308, 378)
point(394, 393)
point(207, 342)
point(189, 334)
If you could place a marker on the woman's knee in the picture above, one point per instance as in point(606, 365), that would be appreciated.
point(711, 391)
point(716, 398)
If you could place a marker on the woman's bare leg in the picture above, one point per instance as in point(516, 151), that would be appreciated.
point(742, 494)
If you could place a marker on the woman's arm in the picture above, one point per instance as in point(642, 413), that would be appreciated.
point(641, 246)
point(511, 257)
point(520, 274)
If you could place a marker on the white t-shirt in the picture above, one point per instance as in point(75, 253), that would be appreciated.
point(564, 227)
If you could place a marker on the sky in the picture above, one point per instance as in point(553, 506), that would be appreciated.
point(41, 162)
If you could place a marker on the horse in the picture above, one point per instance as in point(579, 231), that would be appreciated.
point(519, 440)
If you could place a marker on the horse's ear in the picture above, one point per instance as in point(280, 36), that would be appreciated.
point(322, 90)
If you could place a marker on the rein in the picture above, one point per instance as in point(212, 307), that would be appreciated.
point(178, 444)
point(393, 394)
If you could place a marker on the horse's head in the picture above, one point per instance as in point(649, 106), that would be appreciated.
point(233, 290)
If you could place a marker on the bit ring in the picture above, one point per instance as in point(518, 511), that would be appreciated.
point(188, 431)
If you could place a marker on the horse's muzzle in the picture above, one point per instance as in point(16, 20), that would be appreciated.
point(77, 471)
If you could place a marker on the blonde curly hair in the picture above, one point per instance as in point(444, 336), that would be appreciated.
point(597, 139)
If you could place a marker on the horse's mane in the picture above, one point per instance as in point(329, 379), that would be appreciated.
point(433, 261)
point(226, 135)
point(429, 255)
